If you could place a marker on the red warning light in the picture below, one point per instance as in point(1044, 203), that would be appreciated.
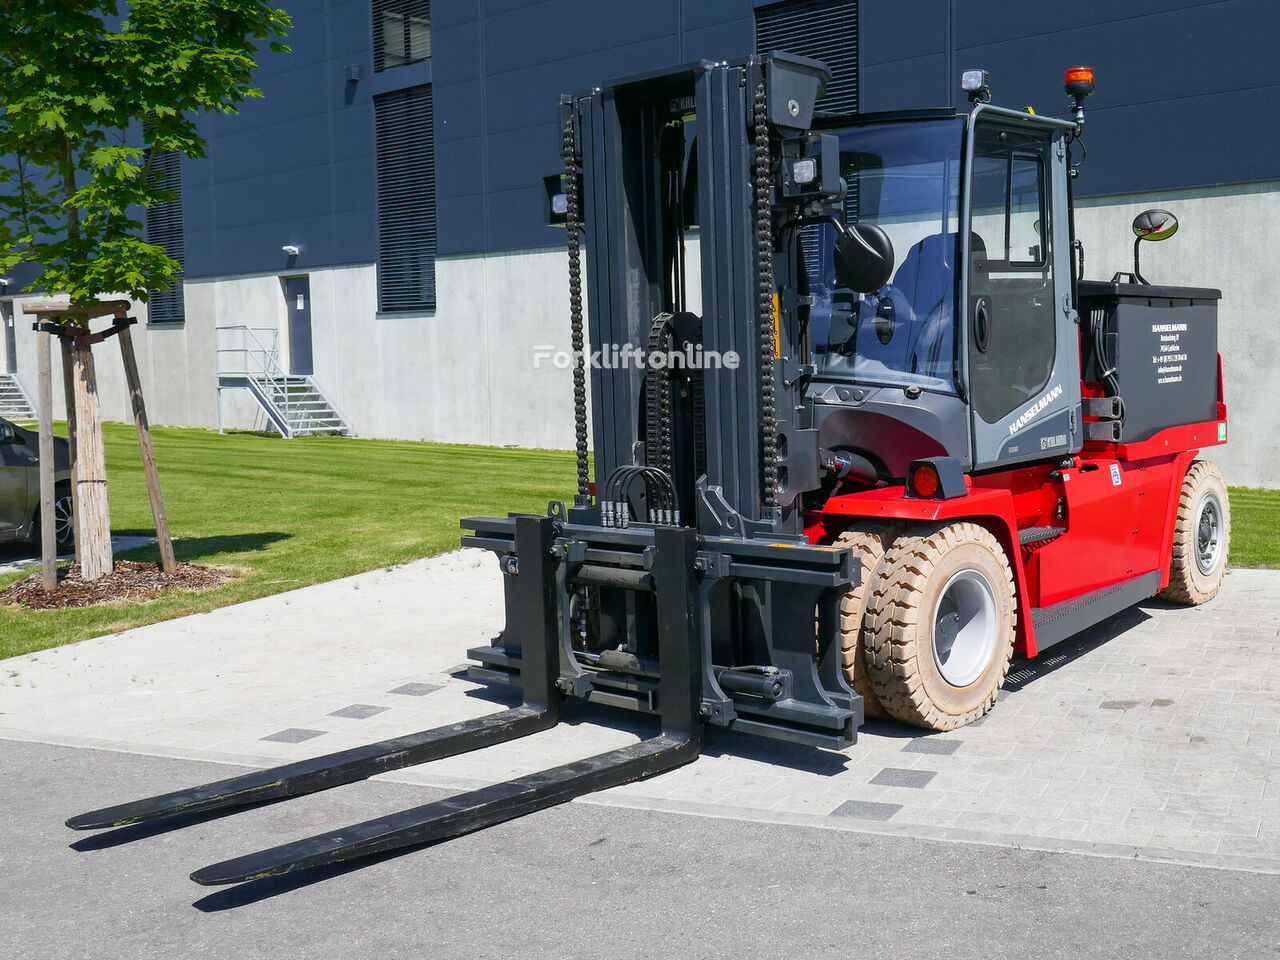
point(925, 480)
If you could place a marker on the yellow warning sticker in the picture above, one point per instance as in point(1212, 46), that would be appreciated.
point(777, 327)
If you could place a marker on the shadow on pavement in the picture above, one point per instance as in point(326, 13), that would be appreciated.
point(119, 836)
point(1023, 672)
point(255, 891)
point(717, 743)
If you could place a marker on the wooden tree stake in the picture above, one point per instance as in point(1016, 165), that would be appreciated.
point(167, 561)
point(48, 532)
point(96, 557)
point(70, 399)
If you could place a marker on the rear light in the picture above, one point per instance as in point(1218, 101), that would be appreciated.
point(591, 488)
point(924, 480)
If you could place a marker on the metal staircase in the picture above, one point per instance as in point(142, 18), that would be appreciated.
point(249, 358)
point(14, 403)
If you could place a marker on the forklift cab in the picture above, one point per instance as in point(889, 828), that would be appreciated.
point(969, 349)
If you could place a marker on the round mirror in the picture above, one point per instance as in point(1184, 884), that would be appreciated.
point(1155, 225)
point(863, 257)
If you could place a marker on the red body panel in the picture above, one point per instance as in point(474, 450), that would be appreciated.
point(1117, 503)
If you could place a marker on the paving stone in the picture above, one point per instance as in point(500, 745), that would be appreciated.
point(359, 711)
point(1184, 840)
point(293, 735)
point(898, 777)
point(1095, 832)
point(933, 745)
point(416, 689)
point(866, 810)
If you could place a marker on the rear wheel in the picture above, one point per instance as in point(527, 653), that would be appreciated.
point(63, 519)
point(869, 545)
point(1201, 536)
point(939, 626)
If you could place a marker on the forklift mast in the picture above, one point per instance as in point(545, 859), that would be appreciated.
point(715, 145)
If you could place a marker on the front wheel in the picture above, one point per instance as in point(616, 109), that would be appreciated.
point(1201, 536)
point(939, 626)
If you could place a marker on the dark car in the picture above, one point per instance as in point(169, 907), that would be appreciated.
point(20, 486)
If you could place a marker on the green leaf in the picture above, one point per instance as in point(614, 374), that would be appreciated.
point(52, 118)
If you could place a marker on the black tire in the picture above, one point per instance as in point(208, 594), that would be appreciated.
point(1201, 537)
point(939, 626)
point(63, 519)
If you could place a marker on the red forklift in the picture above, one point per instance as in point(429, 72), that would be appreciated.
point(884, 436)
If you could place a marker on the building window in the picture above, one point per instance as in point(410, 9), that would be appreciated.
point(164, 229)
point(401, 32)
point(406, 200)
point(825, 30)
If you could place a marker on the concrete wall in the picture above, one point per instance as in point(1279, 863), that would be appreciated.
point(1222, 241)
point(465, 372)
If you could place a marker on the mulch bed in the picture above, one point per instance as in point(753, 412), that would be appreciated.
point(130, 580)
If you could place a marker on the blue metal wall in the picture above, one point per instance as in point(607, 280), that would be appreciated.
point(297, 166)
point(1181, 85)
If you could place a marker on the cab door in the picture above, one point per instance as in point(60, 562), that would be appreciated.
point(1022, 366)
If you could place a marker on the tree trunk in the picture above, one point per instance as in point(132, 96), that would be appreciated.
point(96, 559)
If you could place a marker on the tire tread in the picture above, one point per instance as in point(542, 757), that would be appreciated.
point(893, 614)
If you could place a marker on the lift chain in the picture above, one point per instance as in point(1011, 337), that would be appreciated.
point(764, 268)
point(658, 398)
point(573, 225)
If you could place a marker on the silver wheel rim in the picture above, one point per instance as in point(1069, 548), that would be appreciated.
point(964, 628)
point(1209, 533)
point(63, 523)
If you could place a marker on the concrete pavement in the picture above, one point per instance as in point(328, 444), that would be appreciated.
point(1154, 736)
point(578, 881)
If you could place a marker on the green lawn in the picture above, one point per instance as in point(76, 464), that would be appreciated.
point(1255, 527)
point(290, 513)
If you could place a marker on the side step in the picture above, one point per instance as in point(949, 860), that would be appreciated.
point(1062, 620)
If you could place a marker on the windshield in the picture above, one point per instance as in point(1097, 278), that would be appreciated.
point(903, 177)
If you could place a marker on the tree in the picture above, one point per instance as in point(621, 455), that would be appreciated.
point(87, 100)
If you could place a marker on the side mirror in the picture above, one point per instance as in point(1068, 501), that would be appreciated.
point(1151, 225)
point(863, 257)
point(8, 433)
point(1155, 225)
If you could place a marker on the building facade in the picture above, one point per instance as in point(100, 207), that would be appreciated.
point(379, 220)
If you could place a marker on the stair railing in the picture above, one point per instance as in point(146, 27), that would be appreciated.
point(257, 357)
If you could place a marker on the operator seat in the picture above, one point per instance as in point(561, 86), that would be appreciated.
point(922, 293)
